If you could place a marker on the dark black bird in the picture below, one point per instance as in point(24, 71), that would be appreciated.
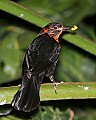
point(40, 60)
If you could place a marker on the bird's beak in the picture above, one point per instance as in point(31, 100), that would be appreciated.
point(66, 28)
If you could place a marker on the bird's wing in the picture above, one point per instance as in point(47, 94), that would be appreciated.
point(48, 53)
point(40, 57)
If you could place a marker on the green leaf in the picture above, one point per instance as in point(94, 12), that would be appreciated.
point(67, 90)
point(74, 65)
point(24, 13)
point(39, 20)
point(9, 56)
point(81, 42)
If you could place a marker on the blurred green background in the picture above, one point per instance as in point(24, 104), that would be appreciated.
point(74, 63)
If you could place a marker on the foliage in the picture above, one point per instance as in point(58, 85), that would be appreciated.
point(75, 64)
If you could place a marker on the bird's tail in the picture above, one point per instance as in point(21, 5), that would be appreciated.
point(27, 98)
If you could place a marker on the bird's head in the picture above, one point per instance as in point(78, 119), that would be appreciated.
point(55, 29)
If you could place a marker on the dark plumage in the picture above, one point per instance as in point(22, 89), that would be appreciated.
point(40, 60)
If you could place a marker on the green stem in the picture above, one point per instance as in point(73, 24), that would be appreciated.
point(67, 90)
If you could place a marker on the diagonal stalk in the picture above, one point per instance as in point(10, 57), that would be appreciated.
point(39, 20)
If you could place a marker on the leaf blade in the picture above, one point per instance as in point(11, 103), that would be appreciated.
point(24, 13)
point(81, 42)
point(67, 90)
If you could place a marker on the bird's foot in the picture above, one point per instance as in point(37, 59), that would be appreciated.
point(55, 85)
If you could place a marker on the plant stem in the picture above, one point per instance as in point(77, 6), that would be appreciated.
point(67, 90)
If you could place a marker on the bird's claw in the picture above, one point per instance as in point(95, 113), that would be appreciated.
point(55, 85)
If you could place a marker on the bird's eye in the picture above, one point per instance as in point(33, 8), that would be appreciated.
point(55, 27)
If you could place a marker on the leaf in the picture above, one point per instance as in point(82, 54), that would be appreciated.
point(39, 20)
point(24, 13)
point(75, 66)
point(67, 90)
point(81, 42)
point(9, 56)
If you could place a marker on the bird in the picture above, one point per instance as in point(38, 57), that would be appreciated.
point(40, 61)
